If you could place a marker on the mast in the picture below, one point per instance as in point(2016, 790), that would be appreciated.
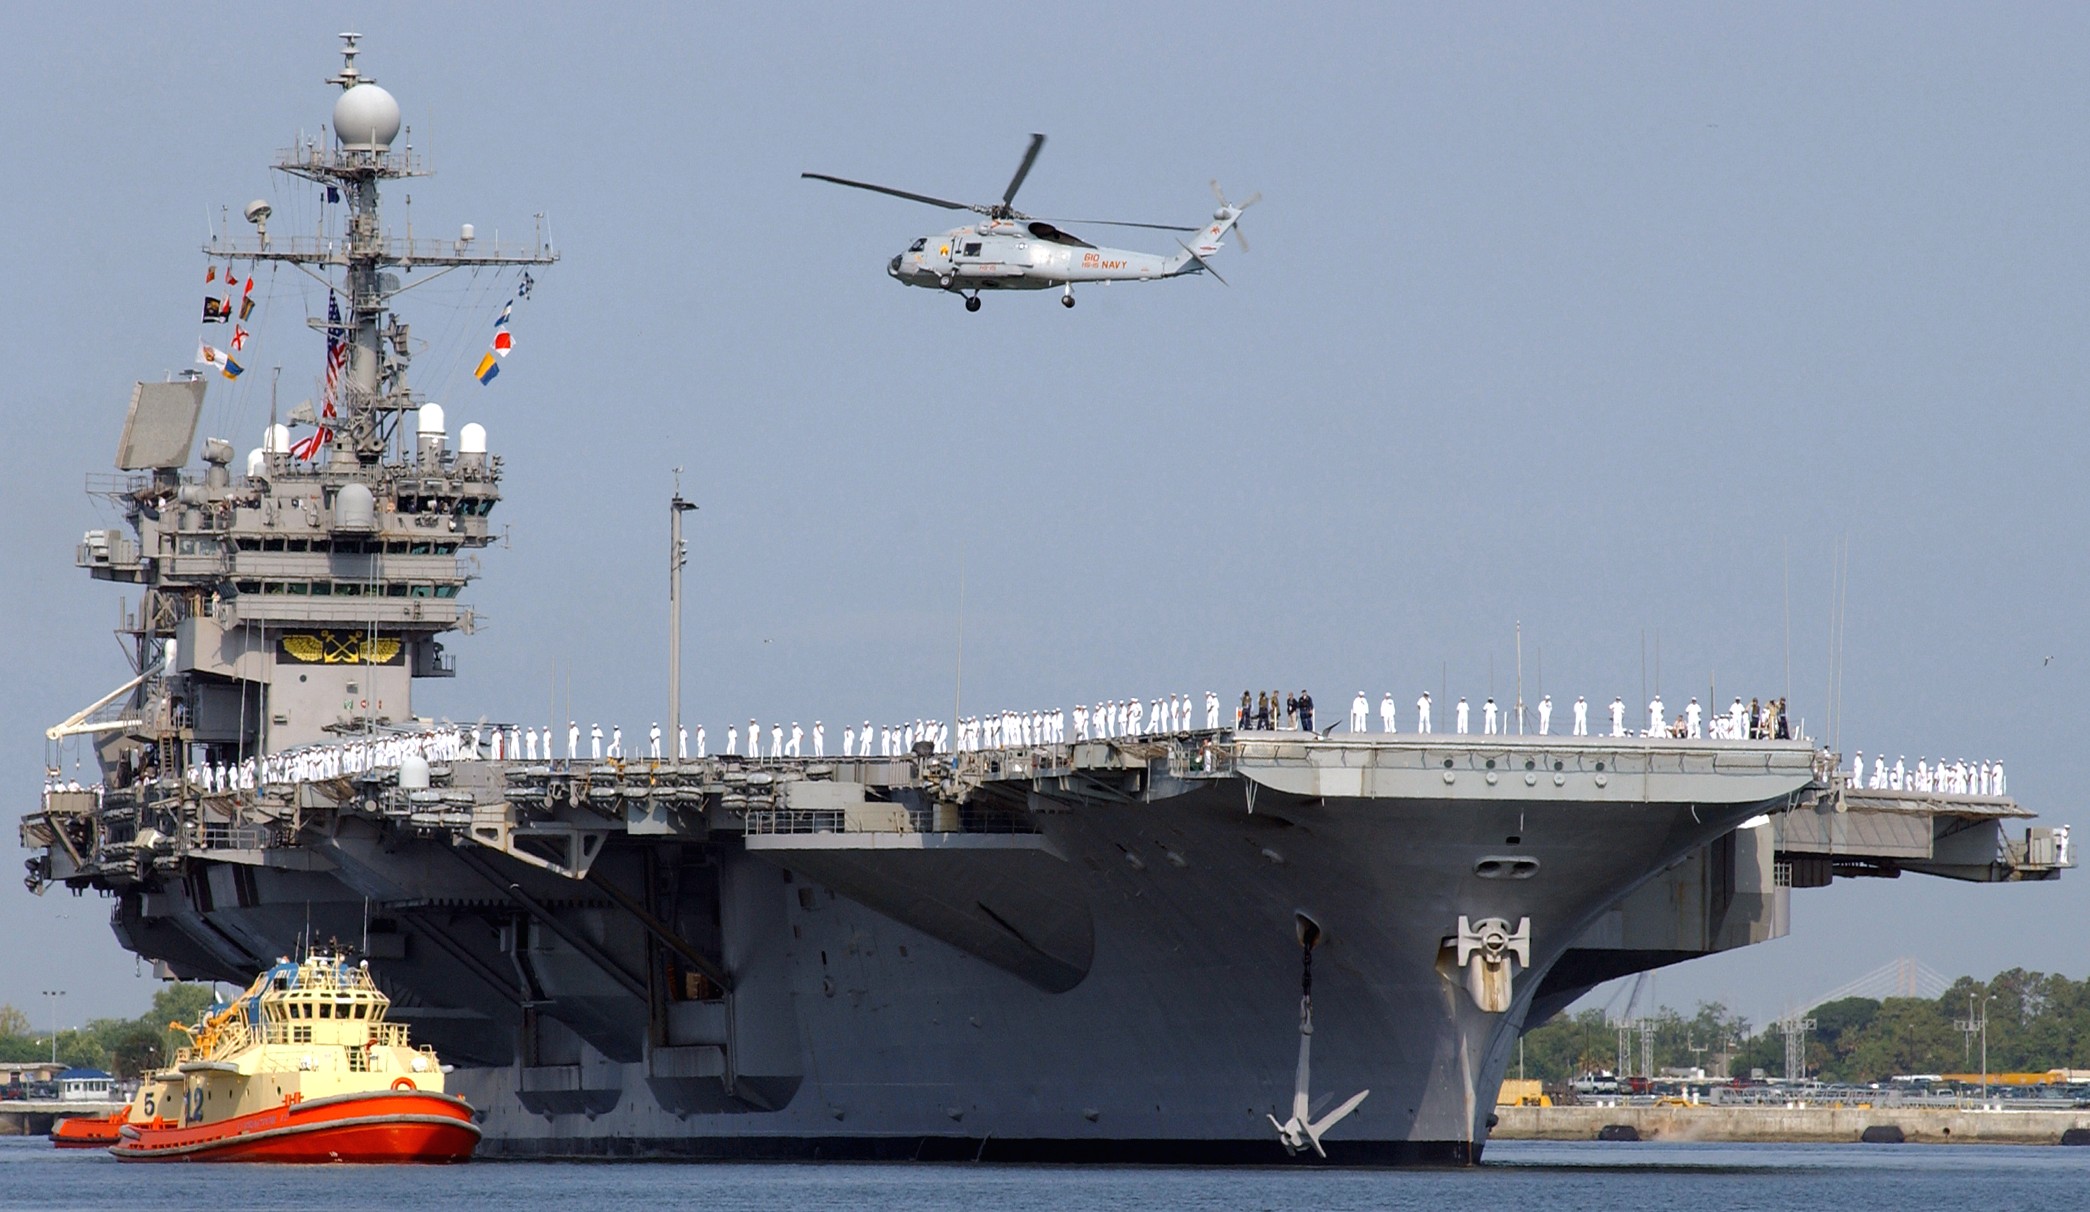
point(373, 386)
point(678, 556)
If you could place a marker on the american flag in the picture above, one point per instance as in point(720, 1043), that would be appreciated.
point(337, 356)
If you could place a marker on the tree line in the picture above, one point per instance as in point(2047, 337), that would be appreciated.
point(2036, 1021)
point(126, 1047)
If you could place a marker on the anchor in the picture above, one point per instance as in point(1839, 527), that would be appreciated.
point(1302, 1132)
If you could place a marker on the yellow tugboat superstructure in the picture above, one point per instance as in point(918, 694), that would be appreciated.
point(304, 1066)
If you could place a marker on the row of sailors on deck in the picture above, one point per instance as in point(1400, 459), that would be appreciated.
point(1949, 778)
point(349, 757)
point(1756, 720)
point(1111, 718)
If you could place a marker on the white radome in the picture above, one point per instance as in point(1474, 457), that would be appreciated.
point(366, 118)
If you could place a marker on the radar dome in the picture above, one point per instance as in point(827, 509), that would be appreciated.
point(413, 773)
point(430, 420)
point(276, 439)
point(355, 508)
point(472, 439)
point(257, 464)
point(366, 118)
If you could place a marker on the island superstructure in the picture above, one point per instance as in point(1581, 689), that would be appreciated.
point(1078, 950)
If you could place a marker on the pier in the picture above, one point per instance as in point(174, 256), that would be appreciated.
point(1853, 1123)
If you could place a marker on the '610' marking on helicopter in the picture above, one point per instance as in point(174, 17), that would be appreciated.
point(1009, 250)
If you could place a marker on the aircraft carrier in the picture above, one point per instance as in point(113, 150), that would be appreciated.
point(1086, 950)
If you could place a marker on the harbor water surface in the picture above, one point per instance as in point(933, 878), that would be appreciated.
point(1615, 1177)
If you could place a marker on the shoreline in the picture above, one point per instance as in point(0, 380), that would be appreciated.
point(1794, 1125)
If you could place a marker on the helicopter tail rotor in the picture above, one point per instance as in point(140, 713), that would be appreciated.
point(1240, 236)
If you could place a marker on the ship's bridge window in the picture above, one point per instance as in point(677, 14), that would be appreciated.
point(326, 1009)
point(919, 245)
point(446, 591)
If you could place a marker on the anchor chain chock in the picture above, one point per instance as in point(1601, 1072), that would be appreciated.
point(1485, 949)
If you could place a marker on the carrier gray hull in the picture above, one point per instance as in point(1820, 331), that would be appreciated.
point(1144, 1008)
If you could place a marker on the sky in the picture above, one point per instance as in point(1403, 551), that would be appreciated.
point(1610, 323)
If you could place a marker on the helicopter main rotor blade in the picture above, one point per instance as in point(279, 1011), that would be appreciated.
point(1022, 170)
point(1123, 223)
point(946, 203)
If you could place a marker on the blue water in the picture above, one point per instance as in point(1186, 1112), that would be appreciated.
point(1647, 1177)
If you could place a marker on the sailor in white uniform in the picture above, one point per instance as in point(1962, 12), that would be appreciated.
point(653, 740)
point(1738, 721)
point(1360, 709)
point(1211, 710)
point(530, 744)
point(594, 740)
point(1692, 716)
point(1545, 714)
point(1618, 716)
point(819, 739)
point(1656, 724)
point(573, 740)
point(1487, 716)
point(1422, 713)
point(1581, 716)
point(1386, 712)
point(1462, 714)
point(776, 740)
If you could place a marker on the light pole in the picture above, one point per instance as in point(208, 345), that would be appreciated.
point(678, 555)
point(1970, 1025)
point(54, 995)
point(1985, 1000)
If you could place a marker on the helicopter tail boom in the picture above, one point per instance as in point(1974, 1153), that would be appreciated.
point(1208, 241)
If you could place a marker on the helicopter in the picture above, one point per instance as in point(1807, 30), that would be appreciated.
point(1009, 250)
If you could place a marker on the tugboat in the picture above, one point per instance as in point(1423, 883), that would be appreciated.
point(302, 1067)
point(156, 1093)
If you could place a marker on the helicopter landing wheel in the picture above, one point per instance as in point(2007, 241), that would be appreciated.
point(1067, 300)
point(944, 281)
point(972, 303)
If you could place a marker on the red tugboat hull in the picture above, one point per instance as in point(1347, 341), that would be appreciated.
point(89, 1131)
point(382, 1126)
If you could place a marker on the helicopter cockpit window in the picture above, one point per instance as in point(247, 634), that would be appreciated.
point(919, 245)
point(972, 250)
